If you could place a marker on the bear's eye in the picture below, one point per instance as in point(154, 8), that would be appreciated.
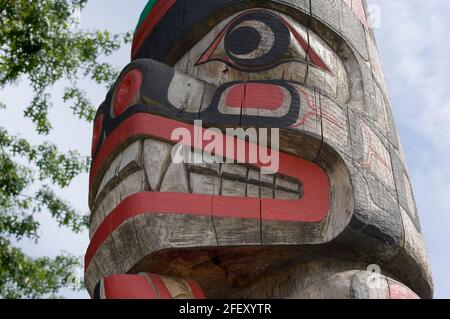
point(259, 40)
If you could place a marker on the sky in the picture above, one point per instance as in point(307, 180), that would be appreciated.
point(412, 39)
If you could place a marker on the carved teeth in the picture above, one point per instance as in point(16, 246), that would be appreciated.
point(253, 176)
point(205, 184)
point(239, 180)
point(202, 178)
point(266, 192)
point(280, 194)
point(175, 179)
point(150, 168)
point(123, 165)
point(130, 185)
point(285, 184)
point(233, 171)
point(233, 188)
point(156, 160)
point(252, 191)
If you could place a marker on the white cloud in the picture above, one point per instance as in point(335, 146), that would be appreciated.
point(413, 41)
point(414, 46)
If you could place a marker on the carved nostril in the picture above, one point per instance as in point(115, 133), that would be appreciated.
point(127, 91)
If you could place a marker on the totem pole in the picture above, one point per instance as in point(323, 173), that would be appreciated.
point(336, 219)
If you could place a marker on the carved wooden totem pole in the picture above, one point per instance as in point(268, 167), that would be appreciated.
point(337, 219)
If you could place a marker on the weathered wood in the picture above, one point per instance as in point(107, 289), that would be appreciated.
point(133, 184)
point(175, 179)
point(156, 160)
point(341, 195)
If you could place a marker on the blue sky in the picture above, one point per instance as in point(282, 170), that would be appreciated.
point(412, 38)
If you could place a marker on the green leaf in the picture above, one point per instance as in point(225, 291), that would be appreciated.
point(25, 277)
point(39, 44)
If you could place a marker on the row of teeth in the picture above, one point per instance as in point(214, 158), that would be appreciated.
point(238, 180)
point(147, 166)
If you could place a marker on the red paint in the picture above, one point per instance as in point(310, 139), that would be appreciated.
point(158, 12)
point(397, 291)
point(148, 203)
point(128, 287)
point(161, 288)
point(98, 127)
point(255, 96)
point(315, 112)
point(208, 53)
point(312, 207)
point(315, 58)
point(143, 287)
point(357, 7)
point(236, 207)
point(372, 153)
point(126, 91)
point(314, 204)
point(197, 292)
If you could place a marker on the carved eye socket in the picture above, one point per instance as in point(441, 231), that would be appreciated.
point(127, 91)
point(260, 40)
point(257, 40)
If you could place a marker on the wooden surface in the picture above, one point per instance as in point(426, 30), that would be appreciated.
point(341, 201)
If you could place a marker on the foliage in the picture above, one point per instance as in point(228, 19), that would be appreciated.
point(41, 42)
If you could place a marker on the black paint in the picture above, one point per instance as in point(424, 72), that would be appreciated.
point(243, 40)
point(282, 39)
point(156, 81)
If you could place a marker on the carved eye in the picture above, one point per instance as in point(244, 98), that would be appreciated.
point(259, 40)
point(127, 91)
